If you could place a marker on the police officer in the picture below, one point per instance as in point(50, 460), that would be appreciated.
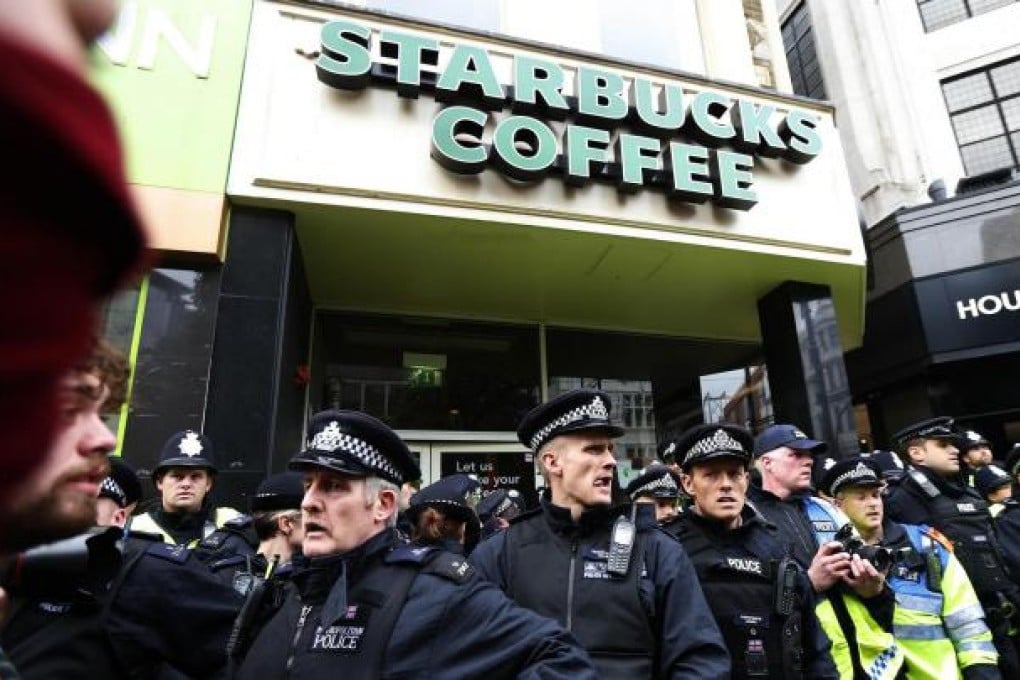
point(975, 453)
point(366, 606)
point(628, 593)
point(442, 515)
point(932, 493)
point(994, 485)
point(761, 598)
point(785, 458)
point(657, 486)
point(119, 494)
point(929, 605)
point(497, 509)
point(184, 477)
point(252, 547)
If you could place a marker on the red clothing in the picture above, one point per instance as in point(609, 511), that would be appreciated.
point(69, 235)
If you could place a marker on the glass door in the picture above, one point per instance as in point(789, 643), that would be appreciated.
point(497, 465)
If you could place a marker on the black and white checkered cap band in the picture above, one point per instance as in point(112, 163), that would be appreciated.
point(861, 473)
point(941, 430)
point(331, 439)
point(664, 482)
point(109, 488)
point(719, 441)
point(596, 410)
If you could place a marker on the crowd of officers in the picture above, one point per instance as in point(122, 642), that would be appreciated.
point(734, 556)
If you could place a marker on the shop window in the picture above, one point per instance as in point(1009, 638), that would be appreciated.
point(984, 107)
point(936, 14)
point(429, 374)
point(740, 396)
point(481, 15)
point(119, 320)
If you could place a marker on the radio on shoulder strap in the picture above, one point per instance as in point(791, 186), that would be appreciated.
point(786, 586)
point(620, 546)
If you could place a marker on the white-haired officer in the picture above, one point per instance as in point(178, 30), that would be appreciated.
point(366, 605)
point(625, 589)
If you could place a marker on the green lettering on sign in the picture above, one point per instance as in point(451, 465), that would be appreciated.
point(345, 61)
point(470, 75)
point(706, 123)
point(691, 177)
point(665, 117)
point(733, 180)
point(799, 131)
point(538, 88)
point(518, 132)
point(600, 99)
point(411, 52)
point(457, 139)
point(587, 151)
point(639, 158)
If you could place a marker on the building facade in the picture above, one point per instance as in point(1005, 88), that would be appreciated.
point(927, 98)
point(443, 219)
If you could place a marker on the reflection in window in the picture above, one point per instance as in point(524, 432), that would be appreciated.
point(741, 396)
point(984, 107)
point(761, 51)
point(481, 15)
point(119, 316)
point(430, 374)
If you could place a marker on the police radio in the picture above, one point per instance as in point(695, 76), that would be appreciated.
point(620, 546)
point(786, 586)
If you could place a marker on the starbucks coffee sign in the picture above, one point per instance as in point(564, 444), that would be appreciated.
point(636, 132)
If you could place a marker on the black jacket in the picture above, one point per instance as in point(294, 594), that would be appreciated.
point(795, 530)
point(687, 641)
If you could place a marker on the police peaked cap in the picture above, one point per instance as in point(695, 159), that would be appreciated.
point(855, 471)
point(187, 448)
point(656, 481)
point(448, 496)
point(354, 443)
point(573, 411)
point(990, 478)
point(970, 440)
point(711, 441)
point(121, 485)
point(500, 502)
point(888, 462)
point(284, 491)
point(932, 428)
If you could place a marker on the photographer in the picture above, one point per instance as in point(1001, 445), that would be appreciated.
point(933, 613)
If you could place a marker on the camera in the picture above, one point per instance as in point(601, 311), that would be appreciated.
point(880, 557)
point(54, 567)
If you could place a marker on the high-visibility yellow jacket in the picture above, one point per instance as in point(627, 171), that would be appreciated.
point(147, 524)
point(880, 657)
point(938, 621)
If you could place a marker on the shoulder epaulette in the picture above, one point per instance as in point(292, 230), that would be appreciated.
point(172, 553)
point(450, 566)
point(216, 565)
point(238, 523)
point(143, 536)
point(410, 554)
point(528, 514)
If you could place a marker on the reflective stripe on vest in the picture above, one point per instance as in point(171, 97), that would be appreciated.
point(147, 524)
point(918, 632)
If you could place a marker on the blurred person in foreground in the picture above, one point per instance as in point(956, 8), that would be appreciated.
point(68, 232)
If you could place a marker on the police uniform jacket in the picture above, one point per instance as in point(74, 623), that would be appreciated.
point(451, 624)
point(558, 567)
point(161, 609)
point(739, 569)
point(795, 528)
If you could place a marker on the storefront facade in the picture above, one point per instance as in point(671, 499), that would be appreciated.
point(444, 227)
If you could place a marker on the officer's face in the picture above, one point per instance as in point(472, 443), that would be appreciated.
point(59, 499)
point(109, 514)
point(338, 514)
point(717, 489)
point(580, 467)
point(978, 456)
point(863, 507)
point(937, 454)
point(789, 469)
point(184, 488)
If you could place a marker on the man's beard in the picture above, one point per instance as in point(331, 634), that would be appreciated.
point(46, 519)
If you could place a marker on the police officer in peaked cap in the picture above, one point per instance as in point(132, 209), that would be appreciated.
point(184, 478)
point(497, 509)
point(975, 453)
point(365, 605)
point(119, 494)
point(625, 589)
point(442, 514)
point(761, 598)
point(658, 486)
point(933, 493)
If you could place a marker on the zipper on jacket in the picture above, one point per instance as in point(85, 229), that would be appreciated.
point(297, 636)
point(570, 585)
